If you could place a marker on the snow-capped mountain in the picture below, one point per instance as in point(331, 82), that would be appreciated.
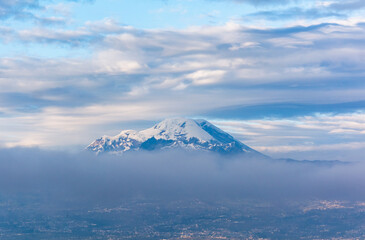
point(173, 133)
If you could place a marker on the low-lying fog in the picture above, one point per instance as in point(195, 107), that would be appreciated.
point(172, 175)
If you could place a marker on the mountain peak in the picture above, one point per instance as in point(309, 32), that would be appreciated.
point(176, 128)
point(182, 133)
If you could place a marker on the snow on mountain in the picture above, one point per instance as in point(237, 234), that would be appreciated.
point(173, 133)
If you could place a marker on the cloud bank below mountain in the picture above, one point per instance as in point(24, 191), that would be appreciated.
point(172, 175)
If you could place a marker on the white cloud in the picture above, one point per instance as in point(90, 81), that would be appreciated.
point(244, 45)
point(114, 62)
point(322, 133)
point(206, 77)
point(303, 148)
point(135, 74)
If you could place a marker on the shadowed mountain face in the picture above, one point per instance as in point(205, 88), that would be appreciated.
point(182, 133)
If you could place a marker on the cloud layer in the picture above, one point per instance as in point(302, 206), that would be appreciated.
point(335, 136)
point(95, 77)
point(66, 177)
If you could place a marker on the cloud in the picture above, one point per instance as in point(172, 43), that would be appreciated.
point(133, 74)
point(336, 136)
point(260, 2)
point(310, 11)
point(204, 77)
point(284, 110)
point(42, 35)
point(325, 147)
point(347, 5)
point(17, 8)
point(296, 13)
point(171, 176)
point(24, 10)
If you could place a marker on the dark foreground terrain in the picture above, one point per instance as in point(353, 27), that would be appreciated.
point(33, 218)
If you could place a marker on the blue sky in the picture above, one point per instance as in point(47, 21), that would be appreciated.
point(285, 77)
